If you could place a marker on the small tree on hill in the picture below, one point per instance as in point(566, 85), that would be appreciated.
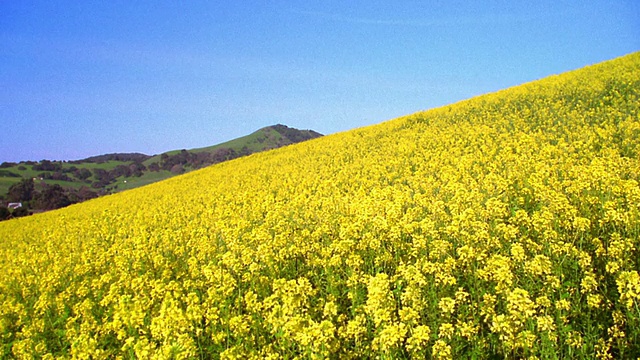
point(22, 191)
point(52, 197)
point(4, 213)
point(20, 212)
point(177, 169)
point(82, 174)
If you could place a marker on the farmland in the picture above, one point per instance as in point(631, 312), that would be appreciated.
point(506, 225)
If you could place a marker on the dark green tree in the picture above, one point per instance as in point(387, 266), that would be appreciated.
point(22, 191)
point(82, 174)
point(51, 197)
point(154, 166)
point(20, 212)
point(4, 213)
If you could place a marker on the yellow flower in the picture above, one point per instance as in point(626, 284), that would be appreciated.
point(538, 266)
point(563, 304)
point(330, 309)
point(588, 283)
point(461, 296)
point(441, 350)
point(574, 339)
point(520, 305)
point(594, 300)
point(379, 301)
point(488, 306)
point(545, 323)
point(419, 338)
point(390, 337)
point(467, 329)
point(628, 283)
point(543, 302)
point(517, 252)
point(356, 328)
point(240, 325)
point(446, 331)
point(447, 305)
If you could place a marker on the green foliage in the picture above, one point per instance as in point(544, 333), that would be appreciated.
point(51, 197)
point(6, 173)
point(20, 212)
point(22, 191)
point(4, 213)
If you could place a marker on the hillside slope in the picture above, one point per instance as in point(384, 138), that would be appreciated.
point(266, 138)
point(59, 183)
point(270, 137)
point(507, 225)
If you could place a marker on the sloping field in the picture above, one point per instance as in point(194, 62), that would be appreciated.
point(507, 225)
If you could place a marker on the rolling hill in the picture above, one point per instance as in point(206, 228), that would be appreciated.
point(503, 226)
point(104, 174)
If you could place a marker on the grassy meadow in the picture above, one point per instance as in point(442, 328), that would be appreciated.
point(503, 226)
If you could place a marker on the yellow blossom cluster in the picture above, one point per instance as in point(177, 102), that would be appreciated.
point(504, 226)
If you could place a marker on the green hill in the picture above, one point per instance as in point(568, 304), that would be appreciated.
point(270, 137)
point(109, 173)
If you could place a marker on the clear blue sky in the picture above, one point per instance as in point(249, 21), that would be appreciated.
point(82, 78)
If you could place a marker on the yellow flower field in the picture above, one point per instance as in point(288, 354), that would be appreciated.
point(506, 225)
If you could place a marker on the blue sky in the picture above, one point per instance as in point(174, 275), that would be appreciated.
point(82, 78)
